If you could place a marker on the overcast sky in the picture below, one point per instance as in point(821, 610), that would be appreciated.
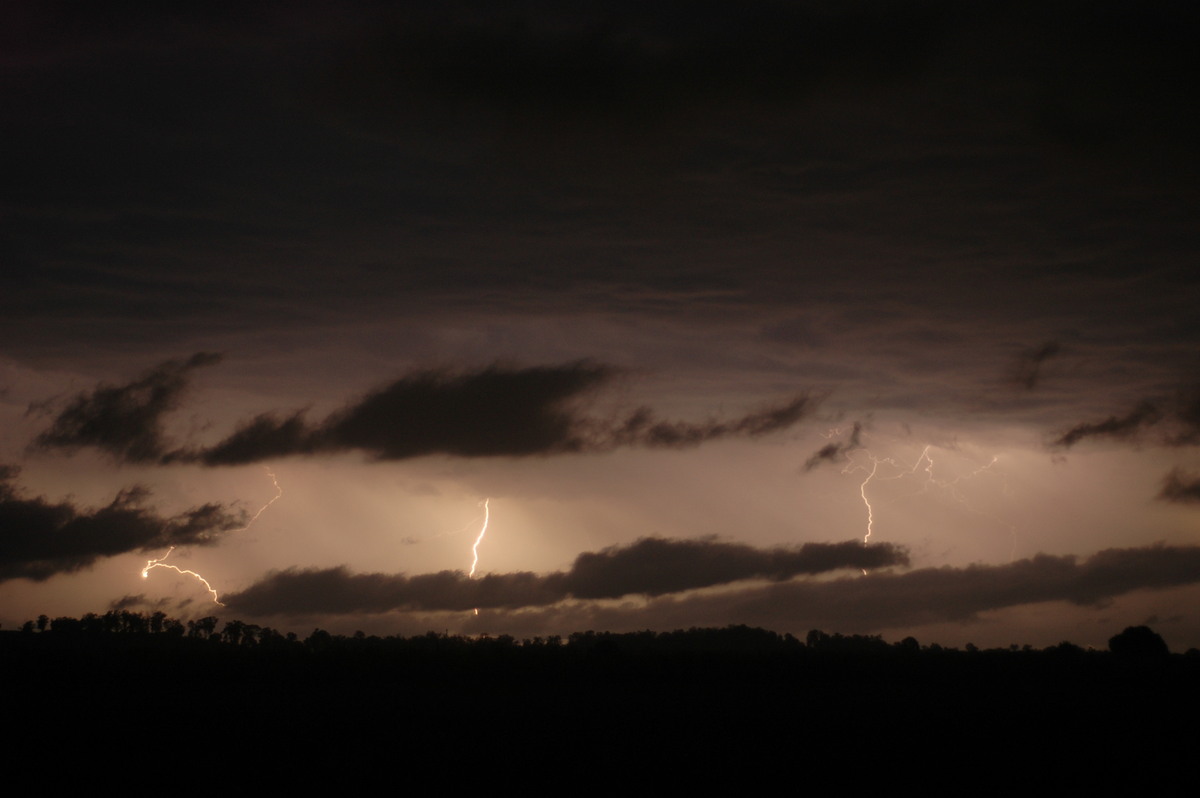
point(872, 317)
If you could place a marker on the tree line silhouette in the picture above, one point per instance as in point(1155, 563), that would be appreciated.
point(1134, 642)
point(482, 705)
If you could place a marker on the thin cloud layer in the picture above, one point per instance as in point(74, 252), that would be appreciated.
point(1180, 423)
point(1117, 427)
point(649, 567)
point(488, 413)
point(643, 429)
point(1181, 486)
point(40, 538)
point(125, 421)
point(1028, 370)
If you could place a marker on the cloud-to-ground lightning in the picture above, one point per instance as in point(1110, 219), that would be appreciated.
point(478, 540)
point(862, 489)
point(858, 458)
point(158, 563)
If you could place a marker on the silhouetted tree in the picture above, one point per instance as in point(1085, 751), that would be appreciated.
point(1138, 641)
point(65, 625)
point(319, 640)
point(233, 632)
point(203, 628)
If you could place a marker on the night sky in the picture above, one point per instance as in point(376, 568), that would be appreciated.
point(872, 317)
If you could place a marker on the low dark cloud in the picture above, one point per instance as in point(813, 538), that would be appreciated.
point(836, 450)
point(1180, 486)
point(880, 600)
point(1028, 370)
point(654, 566)
point(40, 538)
point(1124, 427)
point(511, 412)
point(649, 567)
point(887, 600)
point(125, 421)
point(959, 594)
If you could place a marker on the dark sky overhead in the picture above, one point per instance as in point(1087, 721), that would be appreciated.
point(915, 277)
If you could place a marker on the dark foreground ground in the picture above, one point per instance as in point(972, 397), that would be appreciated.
point(740, 708)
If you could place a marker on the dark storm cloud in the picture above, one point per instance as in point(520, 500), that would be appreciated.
point(649, 567)
point(1180, 423)
point(1180, 486)
point(491, 412)
point(1028, 369)
point(1118, 427)
point(286, 127)
point(889, 600)
point(835, 450)
point(39, 538)
point(488, 413)
point(125, 421)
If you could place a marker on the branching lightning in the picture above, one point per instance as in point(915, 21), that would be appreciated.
point(158, 563)
point(478, 540)
point(859, 459)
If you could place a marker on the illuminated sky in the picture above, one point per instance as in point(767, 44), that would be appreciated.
point(679, 290)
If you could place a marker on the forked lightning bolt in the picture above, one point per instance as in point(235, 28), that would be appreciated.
point(855, 455)
point(151, 564)
point(160, 564)
point(478, 540)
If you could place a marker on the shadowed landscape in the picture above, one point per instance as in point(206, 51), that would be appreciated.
point(746, 697)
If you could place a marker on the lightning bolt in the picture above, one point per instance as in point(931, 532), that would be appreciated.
point(860, 459)
point(263, 509)
point(478, 540)
point(158, 563)
point(862, 490)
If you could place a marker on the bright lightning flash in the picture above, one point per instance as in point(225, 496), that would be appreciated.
point(160, 564)
point(151, 564)
point(871, 467)
point(478, 540)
